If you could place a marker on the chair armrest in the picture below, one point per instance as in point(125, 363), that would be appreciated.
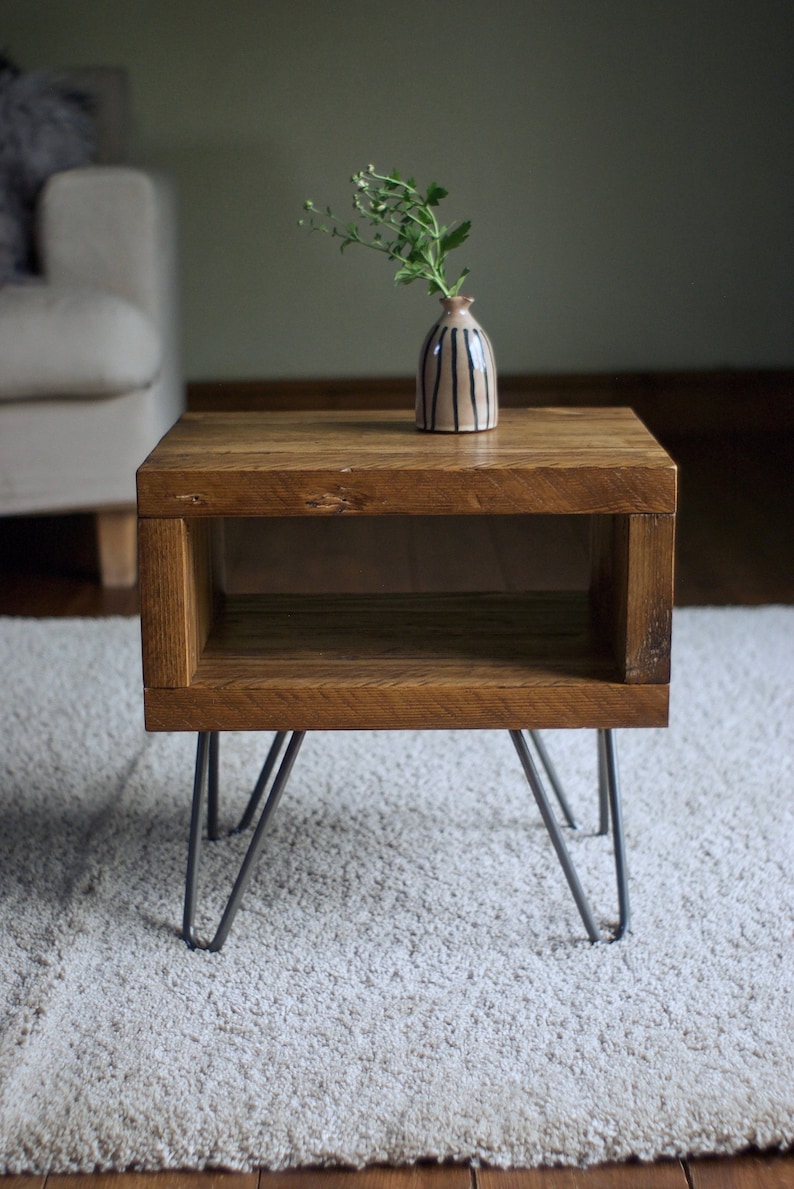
point(111, 228)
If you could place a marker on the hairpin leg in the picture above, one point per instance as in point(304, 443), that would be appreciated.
point(609, 795)
point(206, 757)
point(553, 778)
point(612, 779)
point(206, 788)
point(213, 794)
point(555, 833)
point(261, 784)
point(603, 785)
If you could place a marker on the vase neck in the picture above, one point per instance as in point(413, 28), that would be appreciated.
point(456, 305)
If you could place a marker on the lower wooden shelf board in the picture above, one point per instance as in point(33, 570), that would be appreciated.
point(405, 661)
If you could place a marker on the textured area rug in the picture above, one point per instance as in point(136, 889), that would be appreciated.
point(408, 977)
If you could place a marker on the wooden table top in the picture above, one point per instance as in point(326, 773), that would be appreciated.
point(554, 460)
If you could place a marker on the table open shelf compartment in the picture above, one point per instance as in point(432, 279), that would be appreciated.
point(380, 660)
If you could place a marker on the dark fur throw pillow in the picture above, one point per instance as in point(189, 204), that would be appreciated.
point(45, 125)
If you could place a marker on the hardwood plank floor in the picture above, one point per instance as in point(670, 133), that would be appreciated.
point(757, 1171)
point(747, 1171)
point(664, 1175)
point(416, 1176)
point(734, 547)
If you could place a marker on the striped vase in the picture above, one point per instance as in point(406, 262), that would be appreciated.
point(456, 377)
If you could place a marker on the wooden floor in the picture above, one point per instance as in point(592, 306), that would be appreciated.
point(749, 1171)
point(734, 547)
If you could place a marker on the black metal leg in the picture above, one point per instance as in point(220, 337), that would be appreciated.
point(609, 805)
point(213, 826)
point(618, 837)
point(603, 785)
point(261, 784)
point(555, 833)
point(554, 780)
point(206, 788)
point(201, 783)
point(194, 844)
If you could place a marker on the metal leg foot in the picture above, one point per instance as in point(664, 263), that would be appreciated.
point(206, 754)
point(610, 805)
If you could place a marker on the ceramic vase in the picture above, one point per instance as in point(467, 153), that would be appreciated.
point(456, 376)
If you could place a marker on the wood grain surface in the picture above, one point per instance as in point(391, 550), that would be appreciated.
point(632, 588)
point(375, 463)
point(664, 1175)
point(178, 597)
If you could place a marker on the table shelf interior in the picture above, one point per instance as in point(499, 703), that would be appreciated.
point(405, 661)
point(509, 639)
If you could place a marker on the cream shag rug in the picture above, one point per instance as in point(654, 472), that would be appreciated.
point(408, 977)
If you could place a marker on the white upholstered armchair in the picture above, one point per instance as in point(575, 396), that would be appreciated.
point(90, 374)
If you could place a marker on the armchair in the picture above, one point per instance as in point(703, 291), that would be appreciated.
point(89, 354)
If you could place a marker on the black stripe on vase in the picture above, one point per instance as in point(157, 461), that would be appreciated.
point(439, 355)
point(424, 366)
point(472, 379)
point(487, 372)
point(454, 359)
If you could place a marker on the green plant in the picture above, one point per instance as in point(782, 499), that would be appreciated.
point(401, 222)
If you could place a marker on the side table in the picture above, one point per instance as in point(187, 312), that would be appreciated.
point(522, 661)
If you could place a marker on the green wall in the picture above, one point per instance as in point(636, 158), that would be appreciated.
point(627, 165)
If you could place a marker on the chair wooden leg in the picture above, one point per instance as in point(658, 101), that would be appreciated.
point(117, 539)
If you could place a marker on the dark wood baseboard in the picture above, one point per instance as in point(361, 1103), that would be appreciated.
point(721, 401)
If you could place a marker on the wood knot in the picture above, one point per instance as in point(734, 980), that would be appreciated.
point(330, 501)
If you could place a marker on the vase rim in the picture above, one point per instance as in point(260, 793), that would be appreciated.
point(457, 297)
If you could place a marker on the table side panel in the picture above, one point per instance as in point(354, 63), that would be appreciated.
point(632, 591)
point(178, 597)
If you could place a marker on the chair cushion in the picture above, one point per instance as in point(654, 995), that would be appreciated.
point(59, 341)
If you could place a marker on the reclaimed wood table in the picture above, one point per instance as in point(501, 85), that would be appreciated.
point(522, 661)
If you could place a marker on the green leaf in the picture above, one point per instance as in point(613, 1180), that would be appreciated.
point(407, 274)
point(435, 193)
point(455, 238)
point(455, 290)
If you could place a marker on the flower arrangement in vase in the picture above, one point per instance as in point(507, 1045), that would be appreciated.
point(456, 375)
